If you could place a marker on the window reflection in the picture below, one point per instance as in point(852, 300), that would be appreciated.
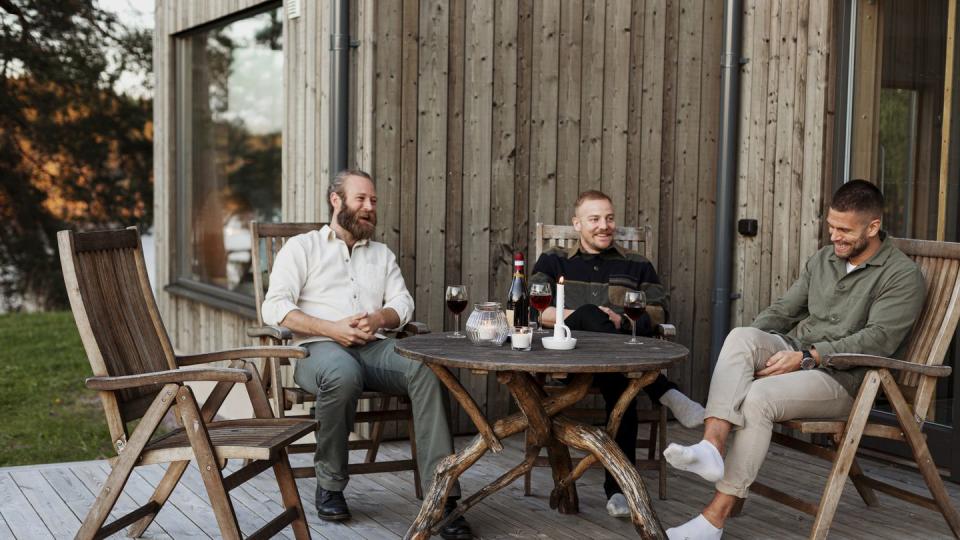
point(230, 98)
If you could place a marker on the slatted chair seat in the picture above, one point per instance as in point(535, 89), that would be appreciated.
point(254, 438)
point(639, 240)
point(139, 378)
point(909, 387)
point(381, 407)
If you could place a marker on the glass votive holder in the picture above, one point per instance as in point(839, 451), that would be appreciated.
point(521, 338)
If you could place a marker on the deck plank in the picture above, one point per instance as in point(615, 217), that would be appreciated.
point(54, 512)
point(53, 498)
point(23, 520)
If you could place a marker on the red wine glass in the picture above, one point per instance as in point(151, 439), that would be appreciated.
point(634, 304)
point(540, 296)
point(456, 297)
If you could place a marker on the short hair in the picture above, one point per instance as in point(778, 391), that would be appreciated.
point(336, 185)
point(859, 196)
point(590, 195)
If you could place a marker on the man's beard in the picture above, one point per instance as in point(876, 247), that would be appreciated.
point(856, 248)
point(351, 222)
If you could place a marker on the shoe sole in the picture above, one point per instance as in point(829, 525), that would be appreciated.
point(333, 517)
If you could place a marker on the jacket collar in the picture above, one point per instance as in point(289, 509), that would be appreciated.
point(879, 258)
point(614, 248)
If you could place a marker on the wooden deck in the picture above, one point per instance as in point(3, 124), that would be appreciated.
point(48, 501)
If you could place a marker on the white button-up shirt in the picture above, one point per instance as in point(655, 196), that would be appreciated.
point(316, 273)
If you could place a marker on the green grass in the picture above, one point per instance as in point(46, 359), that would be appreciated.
point(48, 416)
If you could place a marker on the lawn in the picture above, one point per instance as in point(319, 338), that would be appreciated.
point(48, 415)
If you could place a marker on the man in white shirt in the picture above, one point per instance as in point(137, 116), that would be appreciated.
point(335, 289)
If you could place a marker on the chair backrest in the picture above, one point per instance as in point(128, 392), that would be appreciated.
point(930, 338)
point(272, 236)
point(116, 315)
point(636, 239)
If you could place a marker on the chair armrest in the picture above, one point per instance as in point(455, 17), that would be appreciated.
point(414, 328)
point(279, 333)
point(242, 352)
point(844, 361)
point(666, 331)
point(124, 382)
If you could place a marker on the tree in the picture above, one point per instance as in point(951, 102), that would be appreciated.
point(74, 152)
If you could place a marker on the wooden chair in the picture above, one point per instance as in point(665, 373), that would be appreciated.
point(139, 377)
point(640, 240)
point(268, 238)
point(909, 392)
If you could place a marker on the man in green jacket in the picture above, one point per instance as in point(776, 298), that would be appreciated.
point(859, 295)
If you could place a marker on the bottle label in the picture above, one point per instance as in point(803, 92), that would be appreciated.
point(510, 318)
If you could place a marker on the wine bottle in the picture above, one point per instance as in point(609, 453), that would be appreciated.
point(518, 304)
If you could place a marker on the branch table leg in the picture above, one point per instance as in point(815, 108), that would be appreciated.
point(451, 467)
point(599, 443)
point(613, 424)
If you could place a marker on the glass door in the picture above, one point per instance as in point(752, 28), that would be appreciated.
point(901, 135)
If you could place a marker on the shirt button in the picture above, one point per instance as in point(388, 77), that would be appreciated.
point(834, 318)
point(841, 286)
point(596, 268)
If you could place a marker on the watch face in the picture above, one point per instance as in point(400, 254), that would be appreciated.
point(808, 363)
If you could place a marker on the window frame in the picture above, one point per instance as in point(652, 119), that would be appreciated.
point(182, 286)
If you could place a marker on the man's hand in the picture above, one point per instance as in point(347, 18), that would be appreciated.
point(780, 363)
point(347, 331)
point(617, 320)
point(369, 322)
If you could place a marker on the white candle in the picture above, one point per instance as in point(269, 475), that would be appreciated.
point(557, 333)
point(487, 331)
point(521, 340)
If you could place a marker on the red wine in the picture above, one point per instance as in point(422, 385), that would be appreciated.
point(518, 305)
point(634, 312)
point(456, 306)
point(540, 302)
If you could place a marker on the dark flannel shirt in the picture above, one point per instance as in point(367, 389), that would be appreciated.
point(869, 310)
point(602, 279)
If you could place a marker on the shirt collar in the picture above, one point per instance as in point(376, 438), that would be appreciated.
point(878, 259)
point(328, 234)
point(575, 250)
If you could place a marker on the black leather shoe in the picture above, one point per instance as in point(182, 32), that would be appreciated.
point(457, 529)
point(331, 506)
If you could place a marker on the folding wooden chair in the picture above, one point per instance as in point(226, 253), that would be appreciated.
point(909, 392)
point(268, 238)
point(139, 377)
point(640, 240)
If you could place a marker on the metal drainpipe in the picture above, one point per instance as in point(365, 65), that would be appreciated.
point(339, 84)
point(730, 61)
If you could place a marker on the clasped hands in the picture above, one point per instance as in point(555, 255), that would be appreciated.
point(357, 329)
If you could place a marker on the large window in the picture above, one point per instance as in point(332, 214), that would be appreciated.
point(229, 100)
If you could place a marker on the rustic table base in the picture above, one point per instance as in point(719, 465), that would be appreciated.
point(546, 428)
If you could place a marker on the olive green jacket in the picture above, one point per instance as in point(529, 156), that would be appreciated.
point(868, 311)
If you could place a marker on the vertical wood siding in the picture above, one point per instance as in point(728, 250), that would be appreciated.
point(480, 118)
point(784, 112)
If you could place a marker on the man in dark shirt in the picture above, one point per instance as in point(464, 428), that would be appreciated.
point(597, 273)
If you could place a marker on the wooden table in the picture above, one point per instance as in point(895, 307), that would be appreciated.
point(540, 416)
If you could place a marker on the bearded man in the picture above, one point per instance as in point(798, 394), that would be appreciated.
point(335, 289)
point(859, 295)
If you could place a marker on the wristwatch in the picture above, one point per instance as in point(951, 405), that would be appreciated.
point(808, 361)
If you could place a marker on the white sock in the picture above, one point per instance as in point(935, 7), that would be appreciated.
point(688, 412)
point(697, 528)
point(702, 458)
point(617, 506)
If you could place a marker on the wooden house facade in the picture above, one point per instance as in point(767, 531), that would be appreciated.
point(480, 118)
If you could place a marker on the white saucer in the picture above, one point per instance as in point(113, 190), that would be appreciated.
point(559, 344)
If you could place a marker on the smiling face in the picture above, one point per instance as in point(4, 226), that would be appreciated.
point(594, 220)
point(356, 211)
point(855, 235)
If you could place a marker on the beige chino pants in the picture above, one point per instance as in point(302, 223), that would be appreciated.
point(753, 404)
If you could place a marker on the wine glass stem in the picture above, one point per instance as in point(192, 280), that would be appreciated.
point(633, 326)
point(456, 322)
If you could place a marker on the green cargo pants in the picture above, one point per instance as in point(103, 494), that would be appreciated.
point(337, 375)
